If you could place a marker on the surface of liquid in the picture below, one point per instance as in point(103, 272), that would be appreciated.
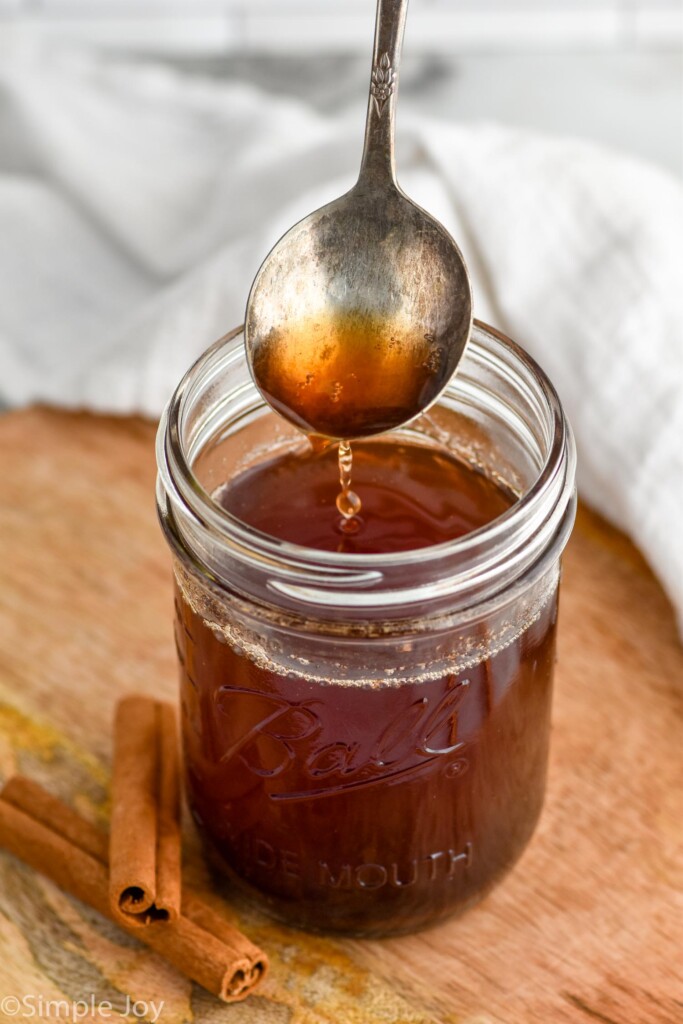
point(352, 808)
point(411, 496)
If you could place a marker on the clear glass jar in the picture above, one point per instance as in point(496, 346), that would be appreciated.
point(366, 736)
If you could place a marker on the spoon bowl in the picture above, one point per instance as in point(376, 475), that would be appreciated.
point(359, 315)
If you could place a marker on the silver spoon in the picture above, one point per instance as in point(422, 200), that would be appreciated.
point(359, 315)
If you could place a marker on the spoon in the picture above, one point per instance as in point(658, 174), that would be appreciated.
point(359, 315)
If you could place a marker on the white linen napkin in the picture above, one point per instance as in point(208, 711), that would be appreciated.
point(136, 204)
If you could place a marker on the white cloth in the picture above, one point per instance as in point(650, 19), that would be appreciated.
point(136, 204)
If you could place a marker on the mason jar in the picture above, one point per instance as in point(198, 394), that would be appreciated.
point(366, 736)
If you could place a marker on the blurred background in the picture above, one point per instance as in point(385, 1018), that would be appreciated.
point(609, 70)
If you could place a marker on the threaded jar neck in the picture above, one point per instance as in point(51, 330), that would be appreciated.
point(514, 428)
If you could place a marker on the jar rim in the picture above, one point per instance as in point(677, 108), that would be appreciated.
point(539, 511)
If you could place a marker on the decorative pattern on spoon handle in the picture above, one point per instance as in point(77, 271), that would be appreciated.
point(383, 82)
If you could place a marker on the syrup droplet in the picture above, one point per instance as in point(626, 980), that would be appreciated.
point(348, 502)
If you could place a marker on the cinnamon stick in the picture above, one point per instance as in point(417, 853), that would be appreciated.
point(53, 839)
point(144, 854)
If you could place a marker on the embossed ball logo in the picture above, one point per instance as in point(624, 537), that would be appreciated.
point(287, 745)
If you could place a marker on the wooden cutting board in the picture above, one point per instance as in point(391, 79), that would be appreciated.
point(586, 928)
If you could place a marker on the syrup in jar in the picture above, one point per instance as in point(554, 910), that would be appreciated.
point(365, 807)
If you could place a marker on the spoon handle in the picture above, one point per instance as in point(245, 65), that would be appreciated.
point(378, 166)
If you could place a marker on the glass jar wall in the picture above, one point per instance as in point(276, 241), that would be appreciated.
point(366, 736)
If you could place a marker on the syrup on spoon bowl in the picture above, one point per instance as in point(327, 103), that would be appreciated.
point(359, 315)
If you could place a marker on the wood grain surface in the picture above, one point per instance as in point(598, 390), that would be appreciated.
point(586, 928)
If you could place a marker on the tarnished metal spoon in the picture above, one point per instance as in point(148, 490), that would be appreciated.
point(359, 315)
